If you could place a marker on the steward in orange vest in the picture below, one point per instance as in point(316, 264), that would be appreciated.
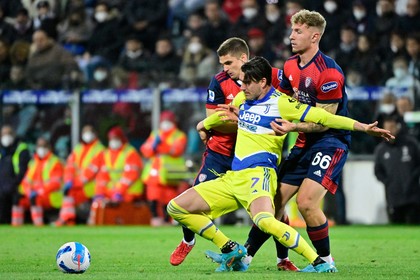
point(41, 185)
point(119, 175)
point(82, 166)
point(165, 167)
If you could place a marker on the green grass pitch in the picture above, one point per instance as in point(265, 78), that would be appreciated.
point(139, 252)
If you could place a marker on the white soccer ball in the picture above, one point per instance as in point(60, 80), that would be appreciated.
point(73, 257)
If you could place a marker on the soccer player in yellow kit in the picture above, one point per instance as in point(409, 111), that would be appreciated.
point(252, 183)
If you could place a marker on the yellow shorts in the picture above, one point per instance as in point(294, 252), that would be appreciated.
point(238, 188)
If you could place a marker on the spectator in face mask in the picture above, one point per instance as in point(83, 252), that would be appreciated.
point(386, 107)
point(118, 179)
point(14, 158)
point(333, 12)
point(164, 150)
point(42, 187)
point(252, 16)
point(403, 81)
point(274, 25)
point(360, 20)
point(135, 60)
point(80, 171)
point(198, 63)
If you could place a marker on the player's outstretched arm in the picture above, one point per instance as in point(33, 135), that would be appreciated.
point(282, 126)
point(373, 130)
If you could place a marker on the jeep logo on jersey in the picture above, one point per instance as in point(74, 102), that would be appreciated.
point(250, 117)
point(329, 86)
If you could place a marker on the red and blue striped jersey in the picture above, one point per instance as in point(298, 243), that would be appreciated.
point(319, 81)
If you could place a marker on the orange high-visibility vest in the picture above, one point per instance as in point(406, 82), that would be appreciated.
point(79, 164)
point(168, 169)
point(116, 169)
point(55, 196)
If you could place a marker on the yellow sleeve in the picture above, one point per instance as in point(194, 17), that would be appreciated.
point(239, 99)
point(291, 109)
point(214, 120)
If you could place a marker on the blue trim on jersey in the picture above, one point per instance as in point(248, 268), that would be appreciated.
point(249, 103)
point(302, 118)
point(258, 160)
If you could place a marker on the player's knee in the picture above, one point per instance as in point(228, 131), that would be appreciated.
point(304, 205)
point(264, 221)
point(175, 211)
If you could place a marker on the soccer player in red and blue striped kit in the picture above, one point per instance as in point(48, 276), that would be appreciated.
point(315, 163)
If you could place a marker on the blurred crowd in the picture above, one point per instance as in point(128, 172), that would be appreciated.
point(88, 44)
point(55, 44)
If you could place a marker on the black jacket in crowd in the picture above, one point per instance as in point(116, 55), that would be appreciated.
point(397, 166)
point(9, 179)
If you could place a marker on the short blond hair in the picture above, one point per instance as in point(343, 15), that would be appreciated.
point(310, 18)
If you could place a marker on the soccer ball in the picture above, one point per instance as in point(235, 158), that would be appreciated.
point(73, 257)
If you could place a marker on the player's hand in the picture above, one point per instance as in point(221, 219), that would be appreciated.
point(282, 127)
point(373, 130)
point(228, 112)
point(203, 132)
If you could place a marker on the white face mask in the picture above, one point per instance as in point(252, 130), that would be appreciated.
point(399, 73)
point(359, 14)
point(394, 48)
point(387, 108)
point(41, 152)
point(133, 54)
point(249, 12)
point(101, 16)
point(115, 144)
point(330, 6)
point(379, 11)
point(100, 75)
point(272, 17)
point(166, 125)
point(7, 140)
point(88, 137)
point(194, 47)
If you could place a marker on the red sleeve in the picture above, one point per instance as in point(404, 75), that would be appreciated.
point(331, 86)
point(276, 77)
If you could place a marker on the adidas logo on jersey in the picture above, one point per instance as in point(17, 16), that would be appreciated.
point(318, 173)
point(230, 96)
point(290, 78)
